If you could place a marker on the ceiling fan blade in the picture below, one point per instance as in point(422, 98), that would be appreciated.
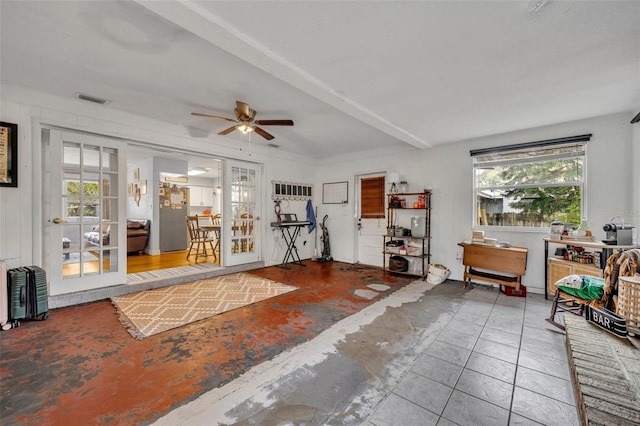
point(243, 110)
point(227, 131)
point(274, 122)
point(197, 114)
point(262, 133)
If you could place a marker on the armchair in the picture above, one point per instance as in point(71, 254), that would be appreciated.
point(137, 235)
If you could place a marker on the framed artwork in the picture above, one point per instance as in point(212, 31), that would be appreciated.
point(8, 154)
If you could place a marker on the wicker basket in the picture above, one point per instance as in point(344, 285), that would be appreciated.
point(628, 304)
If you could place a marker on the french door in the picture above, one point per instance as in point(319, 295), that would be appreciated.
point(84, 233)
point(241, 213)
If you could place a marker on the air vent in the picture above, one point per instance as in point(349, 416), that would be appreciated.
point(273, 145)
point(93, 99)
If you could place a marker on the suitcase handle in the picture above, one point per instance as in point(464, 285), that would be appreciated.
point(23, 295)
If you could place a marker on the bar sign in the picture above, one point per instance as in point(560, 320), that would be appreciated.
point(606, 320)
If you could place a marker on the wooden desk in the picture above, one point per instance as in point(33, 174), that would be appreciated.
point(503, 260)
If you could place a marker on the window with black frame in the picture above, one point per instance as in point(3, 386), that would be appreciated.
point(530, 185)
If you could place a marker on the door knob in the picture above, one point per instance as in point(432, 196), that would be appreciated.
point(58, 220)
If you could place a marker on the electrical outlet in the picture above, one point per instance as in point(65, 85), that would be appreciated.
point(459, 255)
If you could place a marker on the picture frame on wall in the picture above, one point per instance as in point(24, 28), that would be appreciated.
point(335, 193)
point(8, 154)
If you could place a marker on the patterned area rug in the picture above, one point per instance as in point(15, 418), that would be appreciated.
point(154, 311)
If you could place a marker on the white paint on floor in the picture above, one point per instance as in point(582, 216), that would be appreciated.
point(366, 294)
point(258, 383)
point(379, 287)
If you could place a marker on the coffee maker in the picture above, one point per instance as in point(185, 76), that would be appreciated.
point(620, 234)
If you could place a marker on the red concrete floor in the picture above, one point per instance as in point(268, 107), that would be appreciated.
point(82, 367)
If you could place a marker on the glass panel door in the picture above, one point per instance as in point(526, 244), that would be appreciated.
point(241, 217)
point(85, 232)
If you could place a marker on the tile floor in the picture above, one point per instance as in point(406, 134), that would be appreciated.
point(425, 355)
point(494, 363)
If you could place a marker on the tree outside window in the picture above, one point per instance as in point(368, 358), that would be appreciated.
point(530, 188)
point(82, 200)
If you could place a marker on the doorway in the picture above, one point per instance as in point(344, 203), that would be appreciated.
point(371, 221)
point(87, 232)
point(183, 184)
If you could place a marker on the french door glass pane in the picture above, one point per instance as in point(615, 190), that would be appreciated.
point(90, 205)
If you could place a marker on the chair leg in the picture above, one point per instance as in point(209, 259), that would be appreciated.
point(217, 246)
point(554, 308)
point(213, 252)
point(198, 251)
point(576, 307)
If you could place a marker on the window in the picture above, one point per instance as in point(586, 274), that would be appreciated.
point(372, 197)
point(87, 198)
point(531, 184)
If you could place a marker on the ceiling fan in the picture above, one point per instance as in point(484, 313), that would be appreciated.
point(245, 122)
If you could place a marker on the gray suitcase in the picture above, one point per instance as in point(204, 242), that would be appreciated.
point(27, 288)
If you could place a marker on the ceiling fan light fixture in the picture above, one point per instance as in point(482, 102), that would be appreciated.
point(244, 127)
point(244, 121)
point(197, 171)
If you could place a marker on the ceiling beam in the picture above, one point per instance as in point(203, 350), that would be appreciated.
point(210, 27)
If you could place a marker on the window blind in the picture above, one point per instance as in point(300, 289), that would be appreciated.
point(372, 197)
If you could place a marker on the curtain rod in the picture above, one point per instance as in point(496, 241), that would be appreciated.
point(535, 144)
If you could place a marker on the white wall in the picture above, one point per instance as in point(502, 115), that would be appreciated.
point(21, 221)
point(145, 209)
point(287, 171)
point(447, 169)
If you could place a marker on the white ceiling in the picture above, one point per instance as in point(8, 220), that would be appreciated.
point(353, 75)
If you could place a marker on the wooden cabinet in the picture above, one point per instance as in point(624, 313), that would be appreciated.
point(418, 248)
point(560, 268)
point(201, 196)
point(556, 268)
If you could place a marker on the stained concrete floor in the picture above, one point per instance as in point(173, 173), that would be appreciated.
point(425, 355)
point(82, 367)
point(352, 346)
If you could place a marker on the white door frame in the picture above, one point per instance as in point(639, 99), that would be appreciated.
point(111, 175)
point(359, 237)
